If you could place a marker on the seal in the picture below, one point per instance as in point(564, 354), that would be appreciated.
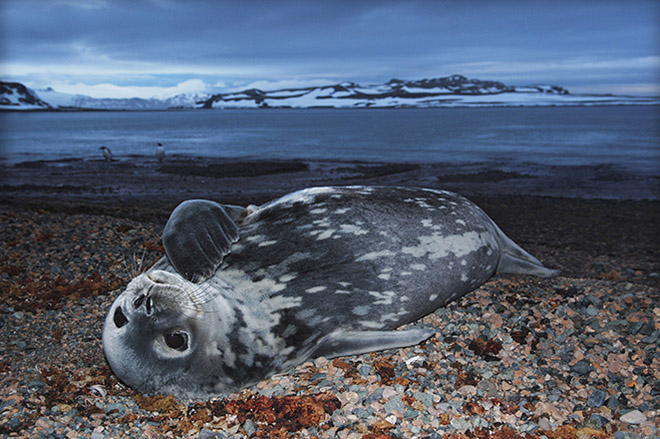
point(245, 293)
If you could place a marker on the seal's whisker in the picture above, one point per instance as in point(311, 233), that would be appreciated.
point(141, 262)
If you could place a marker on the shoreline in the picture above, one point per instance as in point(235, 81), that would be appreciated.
point(229, 179)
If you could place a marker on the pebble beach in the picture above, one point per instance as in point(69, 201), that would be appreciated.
point(520, 357)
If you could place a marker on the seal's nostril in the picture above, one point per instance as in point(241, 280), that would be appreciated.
point(138, 301)
point(119, 318)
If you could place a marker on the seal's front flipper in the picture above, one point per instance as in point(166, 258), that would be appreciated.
point(343, 343)
point(198, 235)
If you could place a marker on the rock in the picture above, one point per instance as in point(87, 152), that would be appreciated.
point(635, 327)
point(460, 424)
point(388, 392)
point(592, 311)
point(597, 398)
point(394, 404)
point(467, 390)
point(582, 367)
point(488, 386)
point(544, 424)
point(249, 427)
point(612, 403)
point(208, 434)
point(593, 421)
point(339, 420)
point(633, 417)
point(625, 435)
point(425, 398)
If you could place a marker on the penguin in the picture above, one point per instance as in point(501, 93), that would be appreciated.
point(107, 154)
point(160, 153)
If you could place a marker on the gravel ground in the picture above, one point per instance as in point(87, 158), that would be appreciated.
point(571, 357)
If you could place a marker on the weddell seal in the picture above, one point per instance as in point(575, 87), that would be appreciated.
point(245, 293)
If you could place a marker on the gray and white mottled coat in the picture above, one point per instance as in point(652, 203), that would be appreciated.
point(245, 293)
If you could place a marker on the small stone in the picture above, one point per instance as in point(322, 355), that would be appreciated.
point(268, 393)
point(488, 386)
point(597, 398)
point(612, 403)
point(598, 420)
point(467, 390)
point(592, 311)
point(37, 383)
point(394, 404)
point(15, 422)
point(424, 398)
point(460, 424)
point(378, 394)
point(363, 413)
point(634, 328)
point(593, 421)
point(644, 407)
point(388, 392)
point(410, 414)
point(339, 420)
point(115, 408)
point(249, 427)
point(208, 434)
point(582, 367)
point(633, 417)
point(544, 424)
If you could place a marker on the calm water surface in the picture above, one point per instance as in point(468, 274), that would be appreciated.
point(513, 138)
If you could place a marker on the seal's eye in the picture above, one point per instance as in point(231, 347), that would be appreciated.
point(177, 341)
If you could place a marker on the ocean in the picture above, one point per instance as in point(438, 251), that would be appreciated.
point(626, 138)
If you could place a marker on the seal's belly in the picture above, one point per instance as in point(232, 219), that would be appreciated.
point(372, 261)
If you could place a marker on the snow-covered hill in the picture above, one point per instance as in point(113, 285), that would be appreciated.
point(451, 91)
point(16, 96)
point(63, 100)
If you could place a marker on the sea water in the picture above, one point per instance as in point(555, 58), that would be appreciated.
point(627, 137)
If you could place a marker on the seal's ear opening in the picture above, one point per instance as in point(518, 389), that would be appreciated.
point(119, 318)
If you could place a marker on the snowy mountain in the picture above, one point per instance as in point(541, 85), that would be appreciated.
point(451, 91)
point(63, 100)
point(16, 96)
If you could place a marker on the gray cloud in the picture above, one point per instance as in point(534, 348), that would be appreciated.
point(241, 41)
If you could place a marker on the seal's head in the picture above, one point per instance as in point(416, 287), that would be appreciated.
point(155, 338)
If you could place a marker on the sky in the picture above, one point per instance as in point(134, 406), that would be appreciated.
point(159, 48)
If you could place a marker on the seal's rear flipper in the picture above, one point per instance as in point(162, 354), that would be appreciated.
point(343, 343)
point(515, 260)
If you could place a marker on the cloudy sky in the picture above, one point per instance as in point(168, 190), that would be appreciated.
point(121, 48)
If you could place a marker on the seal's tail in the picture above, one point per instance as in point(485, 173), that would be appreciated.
point(515, 260)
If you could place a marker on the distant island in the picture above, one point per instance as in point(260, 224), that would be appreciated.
point(450, 91)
